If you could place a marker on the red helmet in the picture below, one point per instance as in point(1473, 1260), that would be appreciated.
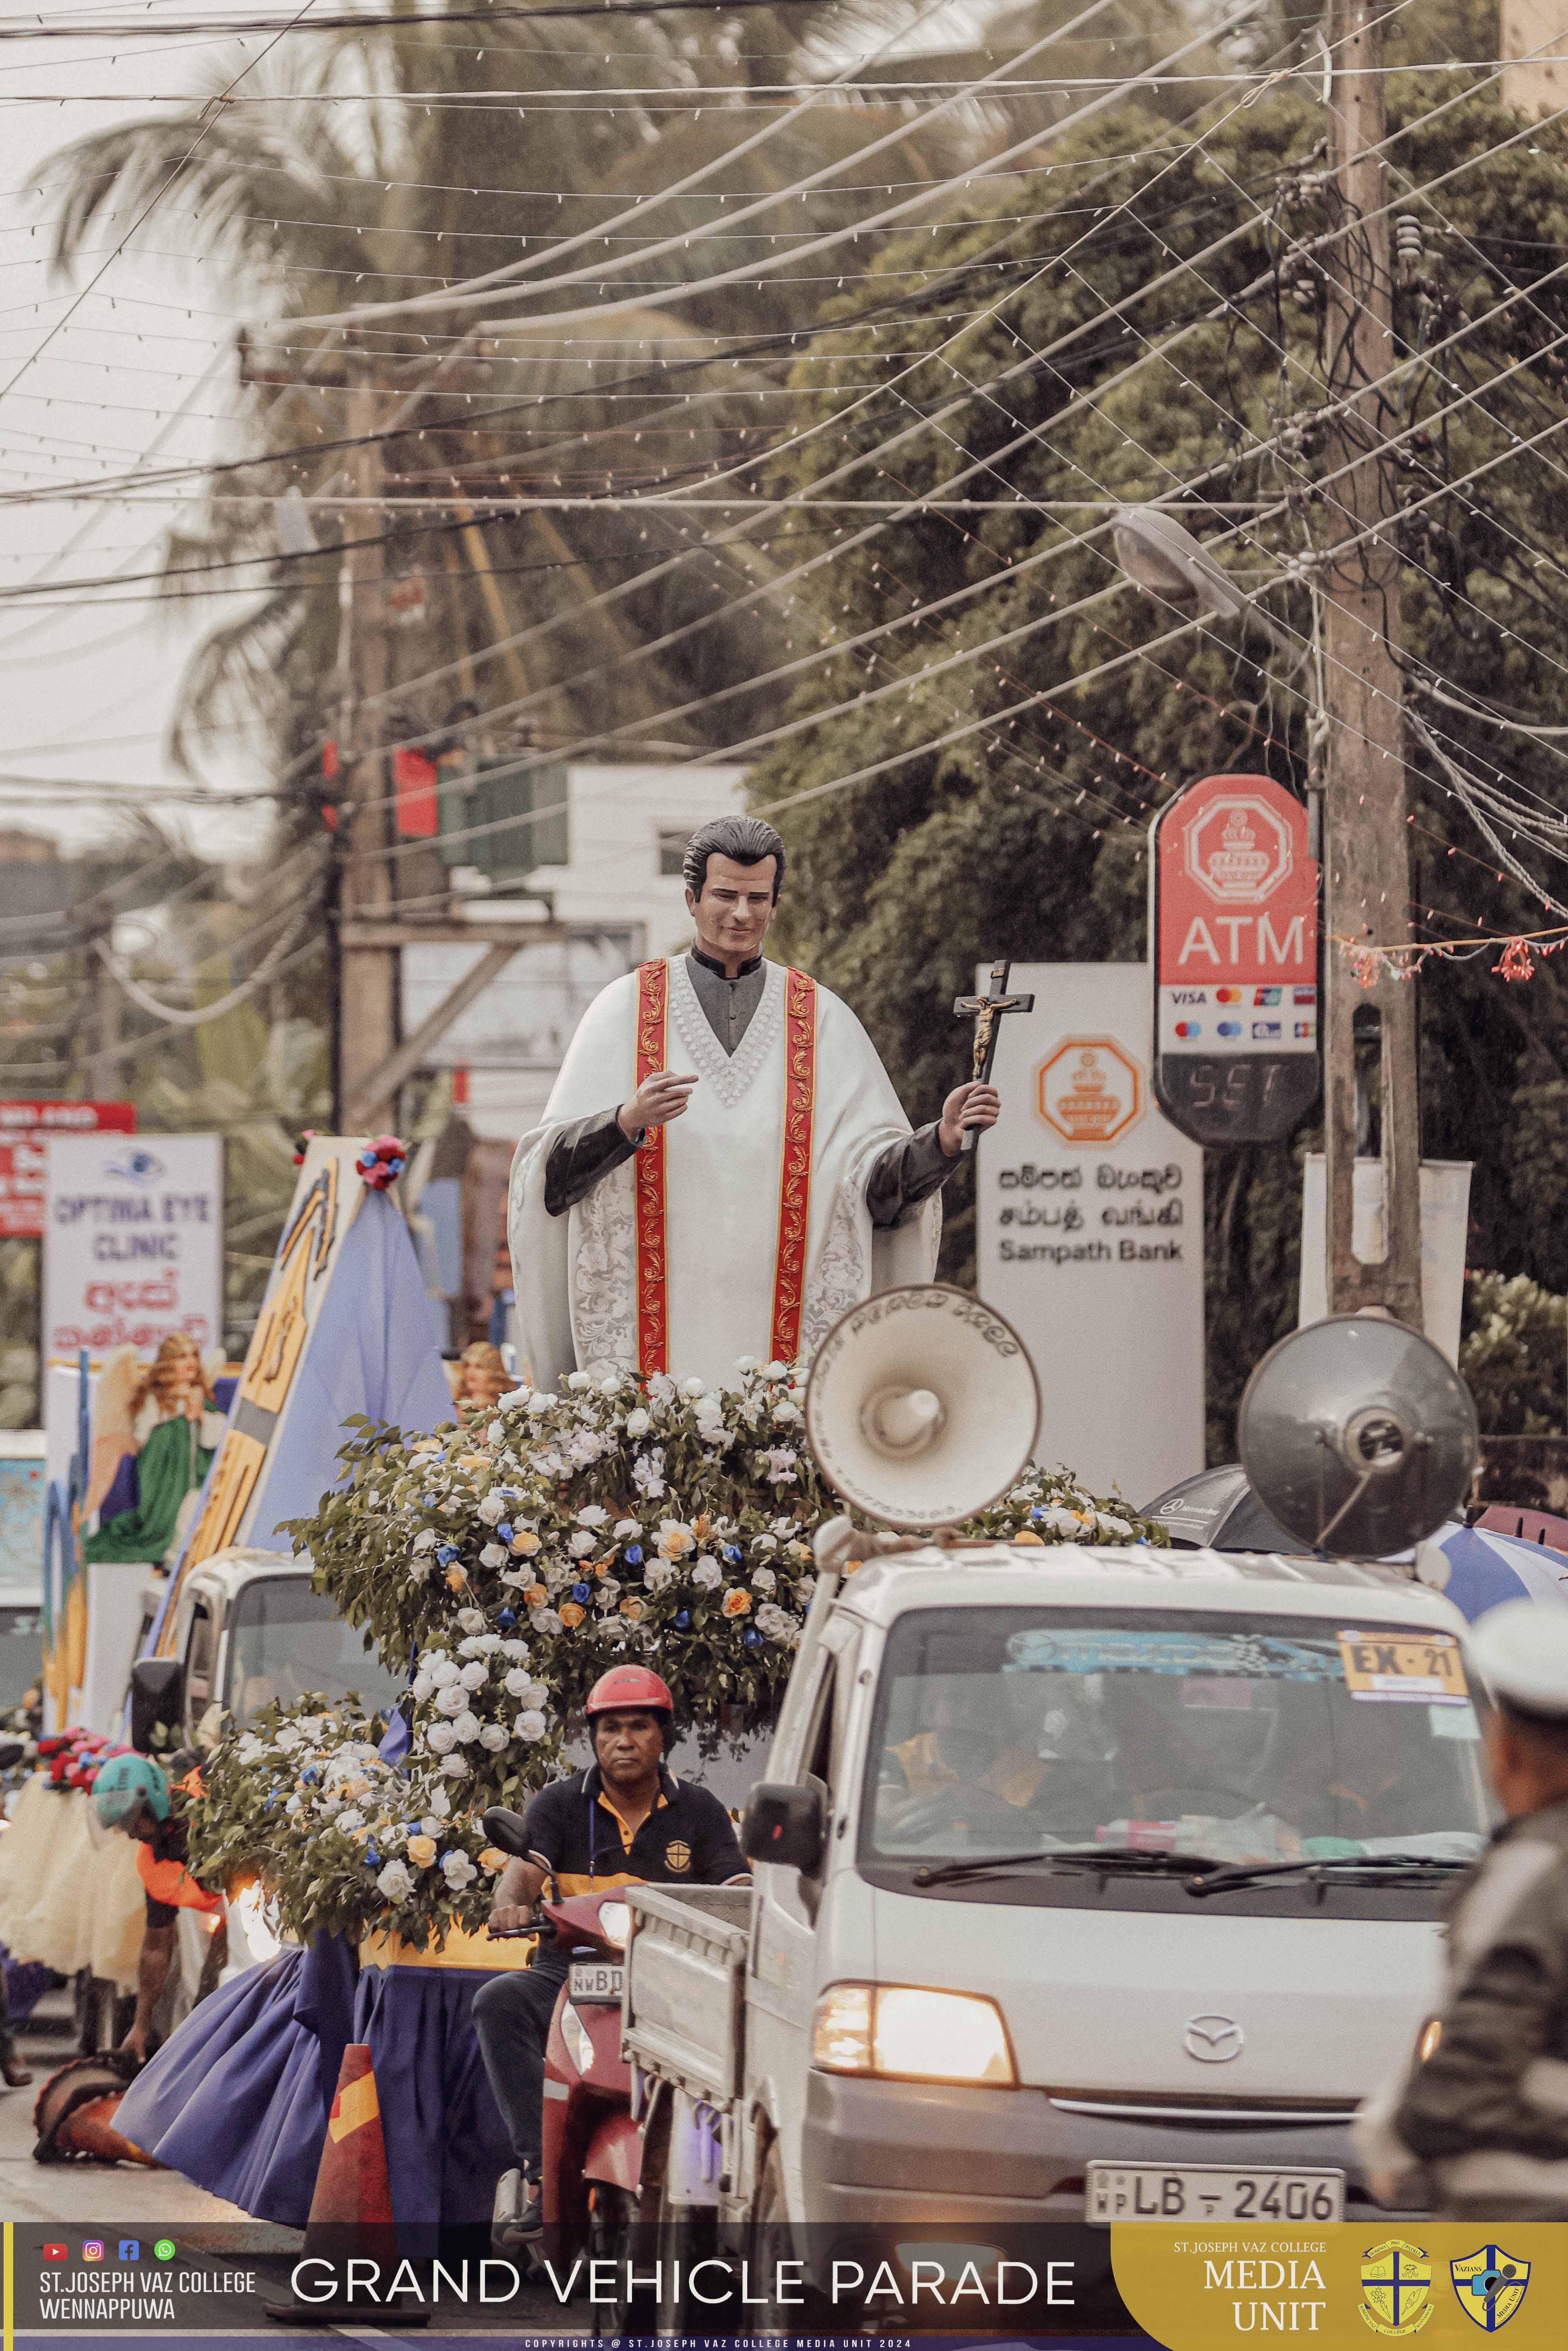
point(625, 1687)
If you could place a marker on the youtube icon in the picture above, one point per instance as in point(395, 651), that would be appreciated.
point(55, 2253)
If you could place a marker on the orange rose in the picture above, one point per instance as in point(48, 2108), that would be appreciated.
point(536, 1596)
point(1027, 1536)
point(736, 1603)
point(702, 1526)
point(570, 1614)
point(457, 1577)
point(492, 1859)
point(632, 1609)
point(422, 1851)
point(525, 1542)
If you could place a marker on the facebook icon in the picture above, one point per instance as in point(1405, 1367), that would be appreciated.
point(131, 2249)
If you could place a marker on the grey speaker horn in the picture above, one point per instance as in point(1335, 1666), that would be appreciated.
point(1359, 1435)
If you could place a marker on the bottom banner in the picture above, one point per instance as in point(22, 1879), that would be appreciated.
point(1151, 2284)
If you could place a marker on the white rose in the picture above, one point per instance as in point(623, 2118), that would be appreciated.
point(656, 1574)
point(455, 1767)
point(426, 1539)
point(471, 1620)
point(288, 1739)
point(431, 1825)
point(529, 1725)
point(582, 1544)
point(476, 1676)
point(486, 1644)
point(638, 1423)
point(452, 1700)
point(544, 1620)
point(539, 1404)
point(706, 1572)
point(441, 1739)
point(492, 1508)
point(693, 1387)
point(611, 1387)
point(495, 1434)
point(785, 1411)
point(492, 1738)
point(516, 1649)
point(440, 1801)
point(493, 1555)
point(351, 1819)
point(763, 1580)
point(628, 1530)
point(592, 1514)
point(292, 1805)
point(458, 1870)
point(746, 1363)
point(421, 1686)
point(515, 1683)
point(396, 1881)
point(443, 1672)
point(433, 1657)
point(773, 1371)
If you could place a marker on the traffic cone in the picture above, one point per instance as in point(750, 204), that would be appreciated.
point(351, 2208)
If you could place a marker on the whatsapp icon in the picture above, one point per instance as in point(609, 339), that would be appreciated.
point(163, 2249)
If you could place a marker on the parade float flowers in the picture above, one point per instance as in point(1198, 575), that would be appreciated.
point(614, 1519)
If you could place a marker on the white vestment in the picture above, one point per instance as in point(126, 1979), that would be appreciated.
point(574, 1274)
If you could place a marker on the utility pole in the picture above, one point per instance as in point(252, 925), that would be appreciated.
point(366, 1009)
point(1367, 850)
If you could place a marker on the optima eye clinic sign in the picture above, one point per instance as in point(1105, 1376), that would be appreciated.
point(1090, 1230)
point(133, 1241)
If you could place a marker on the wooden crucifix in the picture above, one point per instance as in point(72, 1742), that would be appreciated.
point(986, 1011)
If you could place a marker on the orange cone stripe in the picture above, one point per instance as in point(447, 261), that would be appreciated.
point(355, 2104)
point(795, 1173)
point(652, 1298)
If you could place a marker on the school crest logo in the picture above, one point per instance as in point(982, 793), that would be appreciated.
point(678, 1855)
point(1395, 2287)
point(1490, 2286)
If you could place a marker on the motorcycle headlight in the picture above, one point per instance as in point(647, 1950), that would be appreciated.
point(905, 2032)
point(615, 1922)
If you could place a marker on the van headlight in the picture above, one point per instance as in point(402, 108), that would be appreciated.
point(905, 2032)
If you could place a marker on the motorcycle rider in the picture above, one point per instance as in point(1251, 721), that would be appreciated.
point(626, 1821)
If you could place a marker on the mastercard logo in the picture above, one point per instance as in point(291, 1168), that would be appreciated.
point(1189, 1028)
point(1228, 996)
point(1230, 1028)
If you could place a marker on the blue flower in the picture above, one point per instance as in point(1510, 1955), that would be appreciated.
point(582, 1591)
point(1038, 1511)
point(683, 1620)
point(506, 1617)
point(733, 1552)
point(372, 1858)
point(504, 1531)
point(445, 1553)
point(752, 1638)
point(309, 1778)
point(633, 1554)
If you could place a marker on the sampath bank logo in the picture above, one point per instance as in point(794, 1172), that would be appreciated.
point(1490, 2286)
point(1089, 1089)
point(1237, 848)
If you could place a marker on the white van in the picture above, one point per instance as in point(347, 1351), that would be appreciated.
point(1113, 1888)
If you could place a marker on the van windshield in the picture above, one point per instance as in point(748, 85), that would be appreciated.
point(286, 1642)
point(1233, 1738)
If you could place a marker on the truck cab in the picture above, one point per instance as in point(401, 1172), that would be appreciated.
point(1112, 1889)
point(249, 1629)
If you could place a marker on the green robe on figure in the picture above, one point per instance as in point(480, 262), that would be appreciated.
point(170, 1463)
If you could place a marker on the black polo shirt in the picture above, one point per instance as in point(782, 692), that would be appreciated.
point(576, 1834)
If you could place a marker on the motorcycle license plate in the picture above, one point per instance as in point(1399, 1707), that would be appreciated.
point(1211, 2191)
point(597, 1979)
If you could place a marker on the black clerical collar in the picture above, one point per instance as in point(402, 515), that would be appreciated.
point(711, 963)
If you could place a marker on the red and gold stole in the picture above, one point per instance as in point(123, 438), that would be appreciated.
point(795, 1172)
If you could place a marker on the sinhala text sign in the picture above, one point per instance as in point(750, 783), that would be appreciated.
point(1233, 930)
point(133, 1241)
point(1090, 1230)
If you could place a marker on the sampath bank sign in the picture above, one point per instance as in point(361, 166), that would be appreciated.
point(133, 1241)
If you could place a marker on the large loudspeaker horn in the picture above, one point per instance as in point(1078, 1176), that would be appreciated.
point(1359, 1435)
point(923, 1406)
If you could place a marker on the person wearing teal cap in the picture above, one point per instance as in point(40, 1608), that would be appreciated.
point(132, 1793)
point(123, 1785)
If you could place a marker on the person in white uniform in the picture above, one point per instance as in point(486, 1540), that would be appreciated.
point(723, 1168)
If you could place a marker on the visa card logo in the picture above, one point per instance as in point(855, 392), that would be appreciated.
point(1230, 1028)
point(1264, 1030)
point(1189, 1028)
point(1306, 1027)
point(1266, 995)
point(1189, 995)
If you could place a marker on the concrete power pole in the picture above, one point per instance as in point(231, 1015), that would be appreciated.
point(1366, 850)
point(366, 1011)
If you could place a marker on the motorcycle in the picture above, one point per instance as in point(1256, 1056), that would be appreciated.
point(592, 2149)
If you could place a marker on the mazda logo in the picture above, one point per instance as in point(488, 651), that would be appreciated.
point(1212, 2039)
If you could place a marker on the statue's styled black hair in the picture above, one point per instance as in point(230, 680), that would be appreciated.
point(747, 839)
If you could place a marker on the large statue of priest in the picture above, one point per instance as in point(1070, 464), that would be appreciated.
point(723, 1168)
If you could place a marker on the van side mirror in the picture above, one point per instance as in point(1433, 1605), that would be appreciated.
point(786, 1824)
point(157, 1698)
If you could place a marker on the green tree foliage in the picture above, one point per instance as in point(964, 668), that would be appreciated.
point(1513, 1354)
point(1156, 325)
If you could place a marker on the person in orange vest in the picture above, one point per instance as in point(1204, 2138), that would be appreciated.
point(132, 1793)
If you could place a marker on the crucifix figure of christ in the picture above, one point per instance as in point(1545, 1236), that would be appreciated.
point(723, 1168)
point(986, 1011)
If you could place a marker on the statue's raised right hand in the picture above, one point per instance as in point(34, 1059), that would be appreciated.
point(659, 1098)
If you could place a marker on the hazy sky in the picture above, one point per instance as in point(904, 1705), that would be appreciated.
point(87, 679)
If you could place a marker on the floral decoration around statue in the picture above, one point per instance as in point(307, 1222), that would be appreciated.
point(505, 1565)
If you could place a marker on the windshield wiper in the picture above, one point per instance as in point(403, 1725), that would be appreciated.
point(1108, 1857)
point(1399, 1863)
